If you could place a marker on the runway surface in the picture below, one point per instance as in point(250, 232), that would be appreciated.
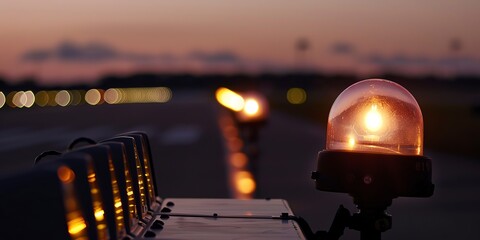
point(189, 155)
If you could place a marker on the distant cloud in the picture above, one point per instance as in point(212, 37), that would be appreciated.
point(95, 52)
point(221, 57)
point(396, 60)
point(400, 60)
point(92, 52)
point(342, 48)
point(73, 60)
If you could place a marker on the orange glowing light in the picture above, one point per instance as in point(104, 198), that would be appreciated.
point(238, 159)
point(373, 119)
point(230, 99)
point(251, 107)
point(230, 132)
point(244, 182)
point(76, 226)
point(235, 144)
point(65, 174)
point(74, 216)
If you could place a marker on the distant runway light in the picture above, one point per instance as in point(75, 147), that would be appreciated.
point(93, 96)
point(30, 99)
point(238, 159)
point(230, 99)
point(76, 97)
point(2, 99)
point(244, 182)
point(251, 107)
point(296, 95)
point(112, 96)
point(63, 98)
point(19, 99)
point(51, 98)
point(41, 98)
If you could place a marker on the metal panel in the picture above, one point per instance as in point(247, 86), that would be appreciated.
point(228, 207)
point(191, 218)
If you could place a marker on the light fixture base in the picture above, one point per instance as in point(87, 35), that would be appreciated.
point(374, 179)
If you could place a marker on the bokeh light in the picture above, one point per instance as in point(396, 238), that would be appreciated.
point(244, 182)
point(41, 98)
point(112, 96)
point(19, 99)
point(51, 98)
point(75, 97)
point(251, 107)
point(296, 95)
point(2, 99)
point(93, 96)
point(229, 99)
point(63, 98)
point(238, 159)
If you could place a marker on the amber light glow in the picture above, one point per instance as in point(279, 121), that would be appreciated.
point(373, 119)
point(117, 199)
point(251, 107)
point(376, 115)
point(255, 108)
point(77, 228)
point(97, 204)
point(141, 183)
point(244, 182)
point(131, 198)
point(230, 99)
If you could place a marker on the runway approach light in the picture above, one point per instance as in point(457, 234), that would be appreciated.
point(230, 99)
point(255, 109)
point(374, 151)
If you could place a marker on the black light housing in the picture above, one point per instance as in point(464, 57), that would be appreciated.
point(135, 168)
point(125, 184)
point(374, 152)
point(61, 194)
point(105, 187)
point(146, 160)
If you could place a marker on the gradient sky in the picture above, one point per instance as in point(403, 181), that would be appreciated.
point(257, 32)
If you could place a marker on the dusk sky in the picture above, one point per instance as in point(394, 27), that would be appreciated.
point(72, 40)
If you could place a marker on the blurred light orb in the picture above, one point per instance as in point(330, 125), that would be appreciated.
point(230, 99)
point(93, 96)
point(30, 99)
point(41, 98)
point(296, 95)
point(63, 98)
point(2, 99)
point(244, 182)
point(378, 116)
point(19, 99)
point(251, 107)
point(112, 96)
point(51, 98)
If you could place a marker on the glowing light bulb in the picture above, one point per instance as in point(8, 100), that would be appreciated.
point(373, 119)
point(251, 107)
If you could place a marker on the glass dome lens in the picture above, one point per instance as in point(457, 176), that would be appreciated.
point(377, 116)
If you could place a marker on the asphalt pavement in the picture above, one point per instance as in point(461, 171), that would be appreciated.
point(190, 161)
